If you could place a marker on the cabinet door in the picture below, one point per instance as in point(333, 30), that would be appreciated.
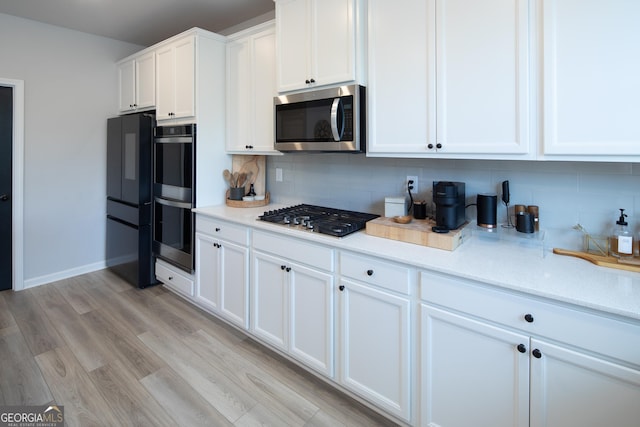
point(185, 75)
point(471, 365)
point(591, 69)
point(127, 84)
point(264, 89)
point(482, 75)
point(333, 38)
point(146, 80)
point(311, 318)
point(165, 81)
point(571, 389)
point(207, 272)
point(234, 280)
point(269, 312)
point(401, 89)
point(294, 43)
point(375, 351)
point(238, 95)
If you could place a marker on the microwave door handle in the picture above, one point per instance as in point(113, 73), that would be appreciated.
point(335, 111)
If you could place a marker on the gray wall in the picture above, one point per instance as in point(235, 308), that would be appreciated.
point(567, 192)
point(70, 83)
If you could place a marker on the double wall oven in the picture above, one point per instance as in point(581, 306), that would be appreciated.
point(174, 194)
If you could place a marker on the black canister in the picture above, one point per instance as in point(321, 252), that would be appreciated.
point(487, 205)
point(525, 223)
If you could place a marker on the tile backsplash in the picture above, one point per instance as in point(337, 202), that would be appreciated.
point(567, 193)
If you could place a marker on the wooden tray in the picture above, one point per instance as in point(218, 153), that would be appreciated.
point(243, 204)
point(418, 232)
point(603, 261)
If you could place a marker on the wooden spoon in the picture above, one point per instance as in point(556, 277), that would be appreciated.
point(227, 176)
point(235, 180)
point(242, 177)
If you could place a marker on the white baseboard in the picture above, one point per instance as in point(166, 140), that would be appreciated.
point(54, 277)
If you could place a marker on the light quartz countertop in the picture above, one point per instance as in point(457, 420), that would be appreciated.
point(521, 265)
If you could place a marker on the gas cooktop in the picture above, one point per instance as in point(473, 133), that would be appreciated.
point(334, 222)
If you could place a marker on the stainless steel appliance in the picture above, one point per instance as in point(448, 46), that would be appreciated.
point(327, 120)
point(129, 198)
point(310, 218)
point(174, 195)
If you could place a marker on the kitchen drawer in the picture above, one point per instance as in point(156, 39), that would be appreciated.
point(223, 230)
point(295, 250)
point(178, 281)
point(584, 329)
point(391, 276)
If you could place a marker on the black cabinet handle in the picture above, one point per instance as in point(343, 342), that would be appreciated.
point(430, 146)
point(341, 287)
point(217, 229)
point(307, 81)
point(438, 145)
point(536, 353)
point(312, 80)
point(528, 317)
point(369, 272)
point(282, 267)
point(522, 348)
point(288, 269)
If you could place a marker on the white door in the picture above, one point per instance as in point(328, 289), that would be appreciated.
point(591, 84)
point(482, 75)
point(472, 373)
point(146, 80)
point(375, 351)
point(234, 283)
point(208, 272)
point(334, 38)
point(185, 85)
point(571, 389)
point(294, 43)
point(165, 81)
point(401, 89)
point(238, 95)
point(269, 313)
point(127, 84)
point(311, 323)
point(264, 89)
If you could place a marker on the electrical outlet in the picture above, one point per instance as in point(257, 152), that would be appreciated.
point(415, 188)
point(278, 174)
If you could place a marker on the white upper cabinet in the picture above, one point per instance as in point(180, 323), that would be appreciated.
point(449, 78)
point(137, 83)
point(317, 42)
point(591, 78)
point(251, 86)
point(175, 76)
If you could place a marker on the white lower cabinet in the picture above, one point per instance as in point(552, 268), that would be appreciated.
point(472, 365)
point(175, 278)
point(375, 329)
point(511, 360)
point(222, 270)
point(293, 303)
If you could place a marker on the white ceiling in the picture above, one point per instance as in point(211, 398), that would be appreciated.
point(142, 22)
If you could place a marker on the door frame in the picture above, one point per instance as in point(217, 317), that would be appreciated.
point(17, 199)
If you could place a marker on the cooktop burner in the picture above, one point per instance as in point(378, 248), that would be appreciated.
point(335, 222)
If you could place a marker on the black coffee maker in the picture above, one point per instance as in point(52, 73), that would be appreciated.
point(449, 199)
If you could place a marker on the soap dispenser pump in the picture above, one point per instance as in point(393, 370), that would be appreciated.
point(621, 240)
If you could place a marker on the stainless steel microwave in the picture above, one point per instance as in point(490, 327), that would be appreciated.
point(326, 120)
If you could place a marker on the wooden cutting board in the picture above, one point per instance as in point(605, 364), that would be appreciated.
point(604, 261)
point(418, 232)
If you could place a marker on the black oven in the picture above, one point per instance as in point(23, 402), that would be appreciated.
point(174, 194)
point(173, 232)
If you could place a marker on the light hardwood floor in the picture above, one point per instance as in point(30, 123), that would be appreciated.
point(115, 355)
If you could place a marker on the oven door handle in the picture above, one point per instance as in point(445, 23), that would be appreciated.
point(173, 139)
point(337, 128)
point(173, 203)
